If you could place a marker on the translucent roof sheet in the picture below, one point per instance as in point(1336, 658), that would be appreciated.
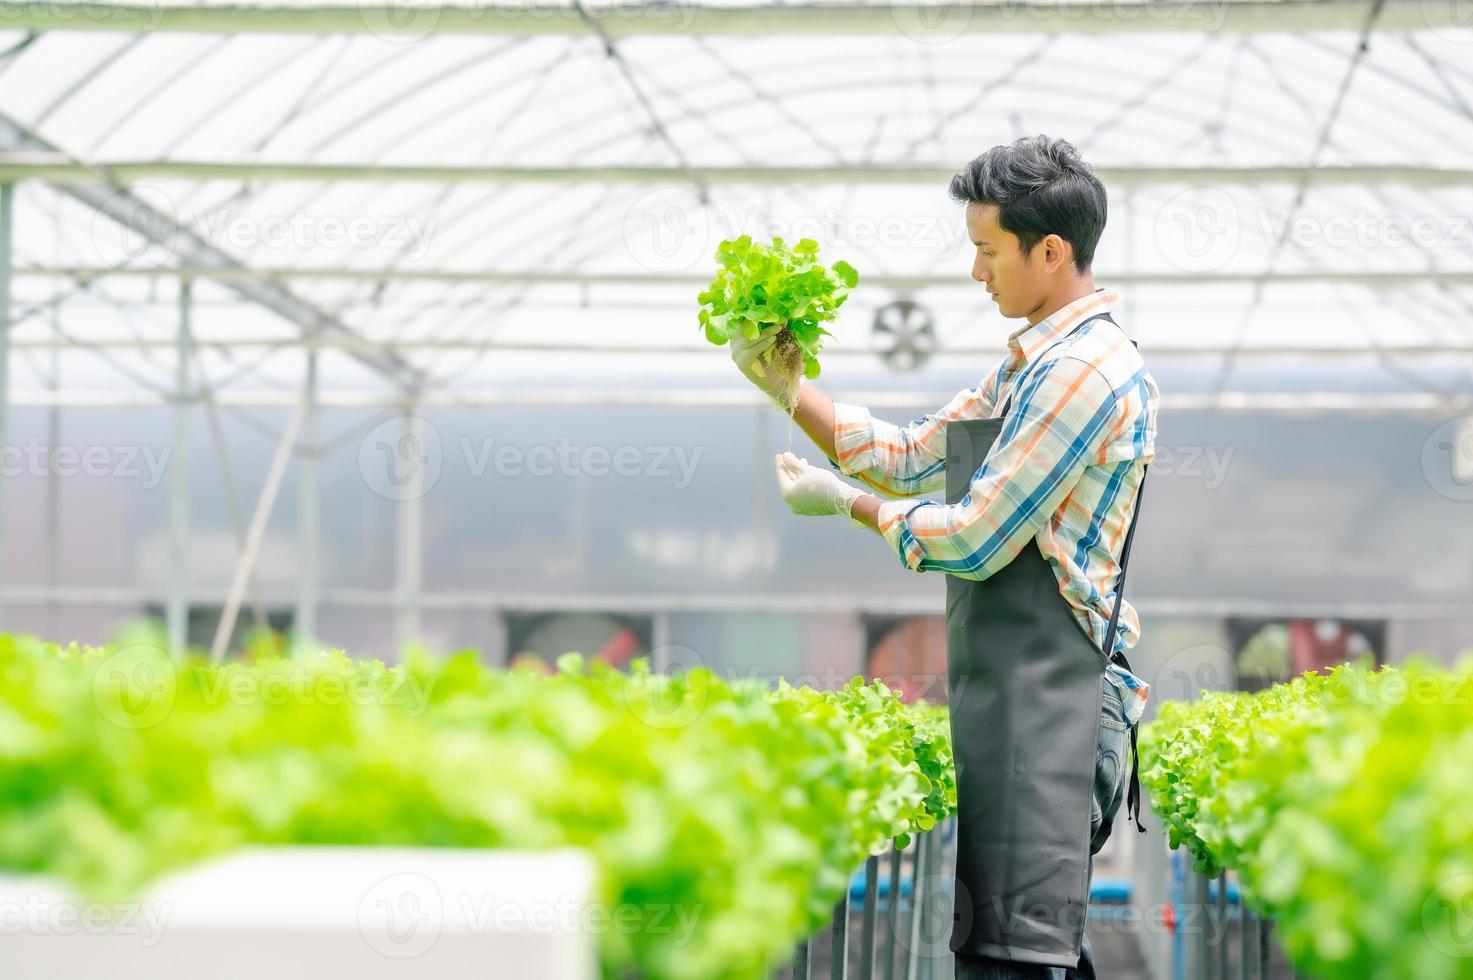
point(1375, 252)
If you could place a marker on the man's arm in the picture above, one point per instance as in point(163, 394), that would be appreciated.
point(815, 416)
point(1063, 416)
point(895, 460)
point(866, 510)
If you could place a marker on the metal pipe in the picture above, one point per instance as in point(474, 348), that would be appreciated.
point(304, 626)
point(247, 560)
point(1369, 278)
point(483, 345)
point(1195, 952)
point(919, 895)
point(917, 903)
point(1287, 403)
point(191, 248)
point(800, 961)
point(660, 639)
point(232, 504)
point(892, 913)
point(753, 20)
point(1245, 928)
point(53, 441)
point(1220, 928)
point(933, 870)
point(53, 507)
point(58, 168)
point(839, 949)
point(867, 933)
point(176, 608)
point(410, 522)
point(7, 207)
point(914, 605)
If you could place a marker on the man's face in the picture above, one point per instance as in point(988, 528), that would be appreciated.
point(1019, 283)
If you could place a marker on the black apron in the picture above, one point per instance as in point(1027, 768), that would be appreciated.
point(1025, 689)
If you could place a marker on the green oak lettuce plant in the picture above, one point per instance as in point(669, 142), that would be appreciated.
point(760, 288)
point(1344, 802)
point(738, 810)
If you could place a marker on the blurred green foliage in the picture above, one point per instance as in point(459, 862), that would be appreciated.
point(1344, 802)
point(742, 808)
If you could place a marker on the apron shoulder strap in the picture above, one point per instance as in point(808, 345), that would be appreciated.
point(1133, 801)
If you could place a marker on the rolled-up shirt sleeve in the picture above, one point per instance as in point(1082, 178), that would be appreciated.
point(1057, 426)
point(902, 460)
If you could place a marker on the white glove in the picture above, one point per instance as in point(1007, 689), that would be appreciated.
point(753, 358)
point(811, 491)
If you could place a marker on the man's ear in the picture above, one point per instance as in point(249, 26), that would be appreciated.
point(1055, 253)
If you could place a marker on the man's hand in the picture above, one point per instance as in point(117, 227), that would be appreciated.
point(811, 491)
point(754, 359)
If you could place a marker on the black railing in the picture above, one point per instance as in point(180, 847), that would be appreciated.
point(904, 945)
point(1209, 908)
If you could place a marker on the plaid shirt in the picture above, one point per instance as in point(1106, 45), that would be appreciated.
point(1064, 471)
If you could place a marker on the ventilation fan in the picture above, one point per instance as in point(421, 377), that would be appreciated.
point(904, 334)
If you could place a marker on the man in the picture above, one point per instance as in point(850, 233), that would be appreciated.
point(1041, 464)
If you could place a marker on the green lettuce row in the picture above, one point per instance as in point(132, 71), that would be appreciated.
point(736, 808)
point(1344, 802)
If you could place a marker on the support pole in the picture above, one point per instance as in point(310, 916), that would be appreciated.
point(928, 922)
point(410, 530)
point(660, 640)
point(232, 498)
point(53, 499)
point(1197, 927)
point(839, 961)
point(800, 961)
point(871, 900)
point(305, 625)
point(1220, 928)
point(920, 869)
point(176, 609)
point(1247, 930)
point(7, 207)
point(892, 914)
point(247, 560)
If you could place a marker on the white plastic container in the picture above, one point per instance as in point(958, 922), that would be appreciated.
point(317, 913)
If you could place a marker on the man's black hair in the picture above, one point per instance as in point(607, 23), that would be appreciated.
point(1041, 186)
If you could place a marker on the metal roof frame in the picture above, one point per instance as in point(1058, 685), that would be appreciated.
point(59, 169)
point(115, 200)
point(674, 19)
point(236, 274)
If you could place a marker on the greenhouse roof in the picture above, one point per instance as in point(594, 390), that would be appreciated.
point(417, 188)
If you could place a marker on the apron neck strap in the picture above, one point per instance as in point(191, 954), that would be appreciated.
point(1133, 797)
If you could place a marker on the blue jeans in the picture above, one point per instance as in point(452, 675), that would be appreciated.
point(1112, 768)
